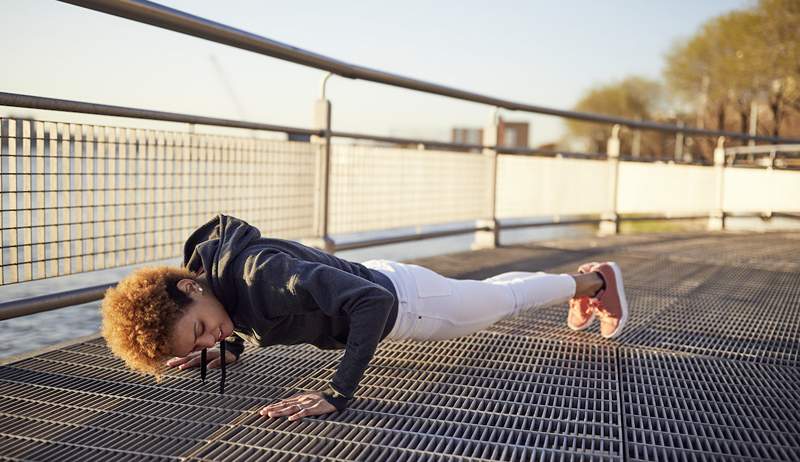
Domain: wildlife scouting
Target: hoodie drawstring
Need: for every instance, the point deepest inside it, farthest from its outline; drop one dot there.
(204, 367)
(222, 368)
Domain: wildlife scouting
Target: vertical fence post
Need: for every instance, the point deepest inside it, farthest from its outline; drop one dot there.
(487, 239)
(322, 121)
(753, 122)
(716, 220)
(772, 185)
(679, 141)
(609, 221)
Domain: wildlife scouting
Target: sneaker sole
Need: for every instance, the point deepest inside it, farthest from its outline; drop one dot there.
(622, 301)
(583, 327)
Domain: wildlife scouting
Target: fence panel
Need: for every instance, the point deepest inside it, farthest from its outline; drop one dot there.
(786, 191)
(760, 190)
(544, 186)
(79, 198)
(665, 188)
(380, 188)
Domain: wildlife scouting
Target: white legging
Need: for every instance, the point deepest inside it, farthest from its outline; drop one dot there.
(435, 307)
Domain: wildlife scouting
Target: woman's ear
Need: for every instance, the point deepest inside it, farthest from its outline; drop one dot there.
(189, 286)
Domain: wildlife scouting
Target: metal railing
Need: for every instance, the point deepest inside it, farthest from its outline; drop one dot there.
(769, 156)
(481, 181)
(179, 21)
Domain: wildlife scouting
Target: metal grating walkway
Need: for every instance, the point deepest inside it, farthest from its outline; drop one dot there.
(707, 369)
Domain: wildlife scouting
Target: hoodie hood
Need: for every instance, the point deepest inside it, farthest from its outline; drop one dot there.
(213, 247)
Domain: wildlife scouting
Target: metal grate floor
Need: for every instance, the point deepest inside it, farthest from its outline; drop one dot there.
(707, 369)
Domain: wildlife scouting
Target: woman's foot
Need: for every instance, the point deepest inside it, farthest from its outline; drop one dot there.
(581, 312)
(610, 304)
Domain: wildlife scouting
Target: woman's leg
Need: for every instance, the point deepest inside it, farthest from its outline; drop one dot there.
(448, 308)
(434, 307)
(528, 290)
(509, 275)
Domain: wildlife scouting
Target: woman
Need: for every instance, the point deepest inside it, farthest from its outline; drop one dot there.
(235, 286)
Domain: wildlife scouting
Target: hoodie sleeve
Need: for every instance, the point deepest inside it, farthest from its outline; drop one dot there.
(295, 286)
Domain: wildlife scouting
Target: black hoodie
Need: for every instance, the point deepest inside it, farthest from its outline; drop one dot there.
(281, 292)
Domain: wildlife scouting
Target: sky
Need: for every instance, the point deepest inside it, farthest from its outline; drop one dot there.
(537, 52)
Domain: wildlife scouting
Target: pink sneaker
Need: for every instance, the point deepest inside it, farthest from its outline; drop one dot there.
(610, 304)
(581, 312)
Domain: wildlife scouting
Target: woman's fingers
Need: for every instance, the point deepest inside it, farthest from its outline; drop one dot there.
(194, 360)
(306, 405)
(304, 411)
(177, 361)
(282, 408)
(288, 402)
(299, 406)
(318, 408)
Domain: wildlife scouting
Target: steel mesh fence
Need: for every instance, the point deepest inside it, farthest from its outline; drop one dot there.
(380, 188)
(79, 198)
(543, 187)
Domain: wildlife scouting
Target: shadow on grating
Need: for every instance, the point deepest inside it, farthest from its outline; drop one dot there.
(706, 369)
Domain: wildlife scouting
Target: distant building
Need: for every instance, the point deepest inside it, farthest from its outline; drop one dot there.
(467, 135)
(512, 134)
(509, 134)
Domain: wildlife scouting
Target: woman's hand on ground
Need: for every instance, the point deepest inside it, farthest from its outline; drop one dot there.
(193, 360)
(300, 405)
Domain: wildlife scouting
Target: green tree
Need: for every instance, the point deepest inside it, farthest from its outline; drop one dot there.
(633, 97)
(695, 73)
(736, 59)
(778, 35)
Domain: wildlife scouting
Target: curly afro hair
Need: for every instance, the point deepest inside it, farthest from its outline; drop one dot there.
(139, 314)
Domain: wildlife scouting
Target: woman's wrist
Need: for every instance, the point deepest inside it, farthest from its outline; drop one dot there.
(338, 400)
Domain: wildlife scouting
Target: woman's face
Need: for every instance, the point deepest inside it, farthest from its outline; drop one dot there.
(204, 322)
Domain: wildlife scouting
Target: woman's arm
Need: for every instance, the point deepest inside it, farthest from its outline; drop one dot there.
(337, 293)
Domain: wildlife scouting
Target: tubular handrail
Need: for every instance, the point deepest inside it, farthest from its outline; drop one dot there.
(53, 104)
(399, 140)
(168, 18)
(47, 302)
(763, 149)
